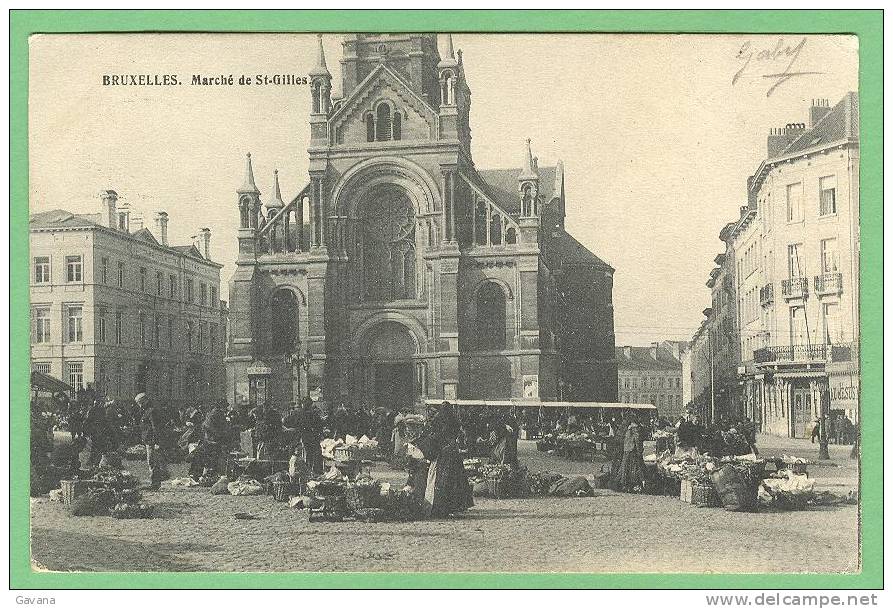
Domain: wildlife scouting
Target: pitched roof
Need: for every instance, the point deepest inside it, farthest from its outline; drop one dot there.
(189, 250)
(640, 359)
(561, 250)
(502, 186)
(60, 218)
(840, 123)
(144, 234)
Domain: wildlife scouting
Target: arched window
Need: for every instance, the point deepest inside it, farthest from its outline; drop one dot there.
(317, 98)
(511, 237)
(480, 223)
(526, 201)
(447, 95)
(383, 123)
(496, 229)
(370, 128)
(490, 320)
(243, 212)
(388, 245)
(397, 126)
(284, 322)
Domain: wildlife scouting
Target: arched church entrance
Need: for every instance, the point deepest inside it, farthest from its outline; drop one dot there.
(389, 371)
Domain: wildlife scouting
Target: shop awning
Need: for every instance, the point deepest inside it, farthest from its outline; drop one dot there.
(45, 382)
(541, 404)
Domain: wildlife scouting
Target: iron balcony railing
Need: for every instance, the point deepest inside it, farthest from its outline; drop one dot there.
(796, 287)
(791, 353)
(767, 295)
(828, 283)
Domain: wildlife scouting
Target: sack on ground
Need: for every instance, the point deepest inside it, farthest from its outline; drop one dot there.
(221, 486)
(572, 487)
(734, 492)
(245, 487)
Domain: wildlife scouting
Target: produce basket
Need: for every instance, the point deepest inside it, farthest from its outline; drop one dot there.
(346, 453)
(282, 491)
(703, 495)
(72, 489)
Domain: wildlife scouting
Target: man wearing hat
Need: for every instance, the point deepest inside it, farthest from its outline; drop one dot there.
(152, 426)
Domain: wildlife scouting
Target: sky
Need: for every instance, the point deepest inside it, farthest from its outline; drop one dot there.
(656, 133)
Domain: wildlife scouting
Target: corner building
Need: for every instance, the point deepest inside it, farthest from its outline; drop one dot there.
(404, 271)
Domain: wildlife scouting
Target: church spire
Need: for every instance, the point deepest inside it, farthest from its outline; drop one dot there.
(276, 201)
(529, 171)
(249, 186)
(449, 57)
(320, 68)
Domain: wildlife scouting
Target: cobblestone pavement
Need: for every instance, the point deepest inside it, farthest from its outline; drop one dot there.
(611, 532)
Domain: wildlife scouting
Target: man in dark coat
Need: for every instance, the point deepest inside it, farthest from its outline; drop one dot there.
(153, 423)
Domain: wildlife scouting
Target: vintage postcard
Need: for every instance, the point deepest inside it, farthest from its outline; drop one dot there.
(445, 302)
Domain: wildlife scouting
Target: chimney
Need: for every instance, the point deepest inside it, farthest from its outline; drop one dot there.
(136, 223)
(161, 226)
(124, 218)
(819, 108)
(205, 239)
(781, 138)
(627, 352)
(108, 215)
(654, 351)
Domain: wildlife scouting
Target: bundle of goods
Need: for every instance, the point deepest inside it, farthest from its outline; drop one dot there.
(796, 464)
(131, 510)
(737, 483)
(539, 483)
(352, 449)
(116, 479)
(786, 491)
(244, 486)
(580, 445)
(135, 453)
(504, 481)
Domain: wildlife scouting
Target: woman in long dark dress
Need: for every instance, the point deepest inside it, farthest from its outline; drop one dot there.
(632, 466)
(446, 490)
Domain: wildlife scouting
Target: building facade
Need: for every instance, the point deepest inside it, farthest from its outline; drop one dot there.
(715, 347)
(804, 200)
(651, 375)
(401, 271)
(116, 307)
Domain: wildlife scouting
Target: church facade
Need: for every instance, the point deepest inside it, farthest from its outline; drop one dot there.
(401, 272)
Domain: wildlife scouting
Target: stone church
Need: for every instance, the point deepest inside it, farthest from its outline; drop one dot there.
(401, 271)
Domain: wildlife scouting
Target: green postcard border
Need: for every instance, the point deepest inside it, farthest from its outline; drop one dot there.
(867, 25)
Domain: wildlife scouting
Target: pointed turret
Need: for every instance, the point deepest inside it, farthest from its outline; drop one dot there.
(529, 170)
(249, 187)
(449, 57)
(276, 201)
(320, 69)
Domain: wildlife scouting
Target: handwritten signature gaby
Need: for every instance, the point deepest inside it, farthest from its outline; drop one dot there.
(776, 55)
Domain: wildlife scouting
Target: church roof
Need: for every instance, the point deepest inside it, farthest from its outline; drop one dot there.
(562, 250)
(502, 186)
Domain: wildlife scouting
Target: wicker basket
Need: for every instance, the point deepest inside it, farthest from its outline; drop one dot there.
(282, 491)
(703, 495)
(797, 468)
(71, 489)
(345, 453)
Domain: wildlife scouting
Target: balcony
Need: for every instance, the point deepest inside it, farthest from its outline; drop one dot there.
(797, 287)
(828, 283)
(791, 354)
(767, 295)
